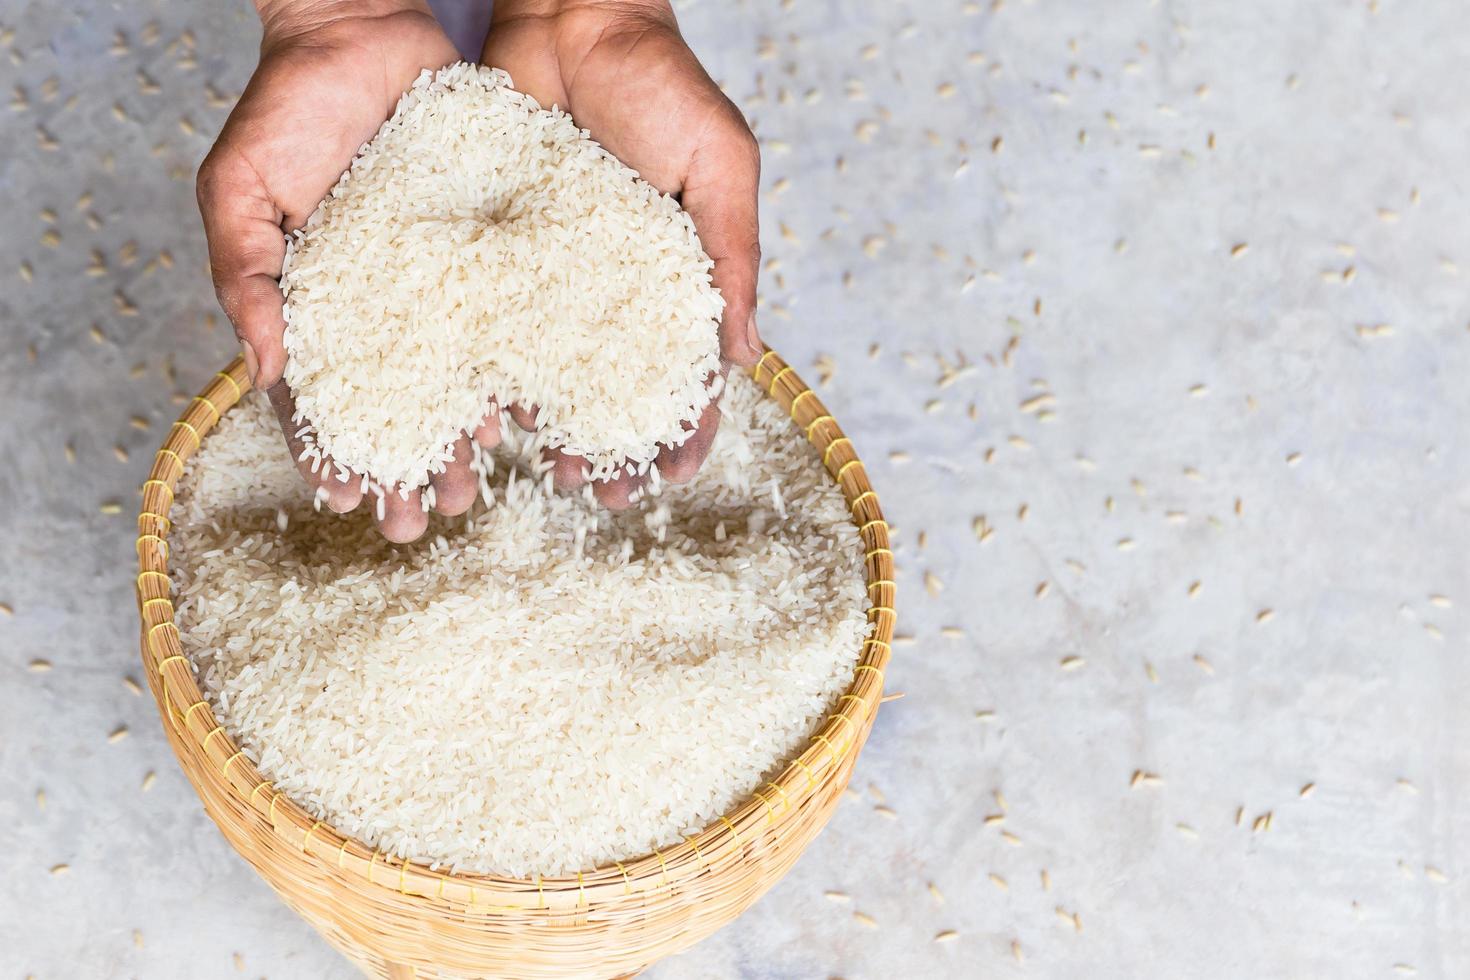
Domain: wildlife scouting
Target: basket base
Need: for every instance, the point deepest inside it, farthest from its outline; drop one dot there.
(400, 971)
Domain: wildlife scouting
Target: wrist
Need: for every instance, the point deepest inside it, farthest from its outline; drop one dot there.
(660, 10)
(292, 18)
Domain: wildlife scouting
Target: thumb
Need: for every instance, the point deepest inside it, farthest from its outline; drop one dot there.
(720, 194)
(246, 250)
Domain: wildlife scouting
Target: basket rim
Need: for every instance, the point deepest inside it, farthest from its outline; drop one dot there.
(170, 674)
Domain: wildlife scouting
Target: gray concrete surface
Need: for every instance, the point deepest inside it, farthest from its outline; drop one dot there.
(1224, 245)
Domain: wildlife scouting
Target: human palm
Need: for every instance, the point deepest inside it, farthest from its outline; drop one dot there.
(323, 87)
(624, 73)
(331, 71)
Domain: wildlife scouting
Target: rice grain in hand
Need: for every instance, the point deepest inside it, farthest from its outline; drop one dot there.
(481, 246)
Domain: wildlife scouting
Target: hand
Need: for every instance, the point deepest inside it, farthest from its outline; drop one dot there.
(625, 75)
(330, 72)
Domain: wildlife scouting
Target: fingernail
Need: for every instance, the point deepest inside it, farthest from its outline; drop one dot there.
(252, 365)
(752, 336)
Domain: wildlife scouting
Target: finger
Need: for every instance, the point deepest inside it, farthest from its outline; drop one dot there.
(568, 472)
(403, 520)
(523, 416)
(341, 496)
(456, 488)
(617, 493)
(487, 433)
(678, 464)
(720, 194)
(243, 228)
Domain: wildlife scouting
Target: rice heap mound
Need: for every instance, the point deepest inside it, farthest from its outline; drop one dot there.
(483, 246)
(541, 686)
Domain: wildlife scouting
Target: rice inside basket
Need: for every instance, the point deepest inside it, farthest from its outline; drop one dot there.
(543, 686)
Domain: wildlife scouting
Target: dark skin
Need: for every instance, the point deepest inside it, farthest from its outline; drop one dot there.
(331, 71)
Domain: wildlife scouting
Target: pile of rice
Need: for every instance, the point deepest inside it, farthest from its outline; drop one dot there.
(541, 686)
(483, 246)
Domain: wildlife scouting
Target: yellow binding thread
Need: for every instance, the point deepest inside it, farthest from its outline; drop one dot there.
(540, 894)
(342, 855)
(198, 440)
(881, 609)
(370, 863)
(233, 383)
(306, 841)
(863, 529)
(851, 730)
(815, 422)
(627, 882)
(581, 891)
(165, 661)
(827, 453)
(882, 582)
(177, 458)
(694, 843)
(226, 769)
(165, 601)
(784, 798)
(402, 870)
(861, 497)
(169, 582)
(877, 551)
(662, 864)
(762, 362)
(775, 378)
(216, 730)
(770, 807)
(191, 709)
(842, 470)
(734, 831)
(828, 744)
(138, 545)
(212, 408)
(869, 667)
(161, 484)
(797, 401)
(258, 787)
(811, 779)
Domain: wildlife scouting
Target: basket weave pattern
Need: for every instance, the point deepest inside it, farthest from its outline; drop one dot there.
(398, 919)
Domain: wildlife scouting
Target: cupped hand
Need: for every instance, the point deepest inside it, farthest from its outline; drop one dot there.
(625, 74)
(330, 73)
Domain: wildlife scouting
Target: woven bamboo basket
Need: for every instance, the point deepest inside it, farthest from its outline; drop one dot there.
(398, 919)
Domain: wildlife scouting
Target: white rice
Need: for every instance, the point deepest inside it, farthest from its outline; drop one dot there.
(482, 246)
(540, 687)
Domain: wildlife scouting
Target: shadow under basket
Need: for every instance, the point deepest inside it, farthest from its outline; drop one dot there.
(398, 919)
